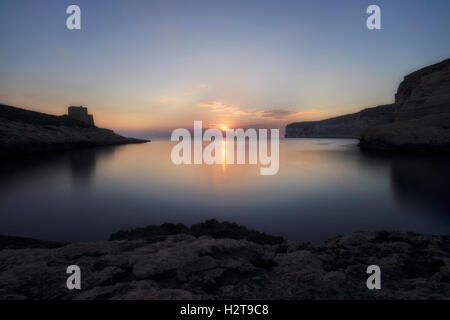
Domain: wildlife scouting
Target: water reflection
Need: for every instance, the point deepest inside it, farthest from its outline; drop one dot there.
(323, 188)
(417, 180)
(422, 181)
(83, 164)
(80, 163)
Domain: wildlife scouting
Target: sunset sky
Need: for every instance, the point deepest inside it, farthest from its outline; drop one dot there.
(146, 67)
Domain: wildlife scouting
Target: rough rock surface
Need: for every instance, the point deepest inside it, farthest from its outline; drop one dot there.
(183, 266)
(28, 131)
(422, 120)
(418, 120)
(424, 92)
(212, 228)
(7, 242)
(430, 133)
(347, 126)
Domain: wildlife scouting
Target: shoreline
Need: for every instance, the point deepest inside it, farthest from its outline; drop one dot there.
(416, 121)
(28, 132)
(208, 228)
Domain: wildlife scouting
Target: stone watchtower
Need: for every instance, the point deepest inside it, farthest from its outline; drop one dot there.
(80, 114)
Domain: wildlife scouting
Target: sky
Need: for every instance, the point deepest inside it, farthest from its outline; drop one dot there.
(148, 67)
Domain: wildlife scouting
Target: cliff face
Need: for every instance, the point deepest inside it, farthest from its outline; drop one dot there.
(28, 131)
(418, 120)
(422, 118)
(424, 92)
(348, 126)
(430, 133)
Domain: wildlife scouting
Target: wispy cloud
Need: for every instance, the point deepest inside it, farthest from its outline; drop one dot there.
(281, 114)
(226, 110)
(272, 114)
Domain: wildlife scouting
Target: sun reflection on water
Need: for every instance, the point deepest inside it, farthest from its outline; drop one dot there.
(224, 156)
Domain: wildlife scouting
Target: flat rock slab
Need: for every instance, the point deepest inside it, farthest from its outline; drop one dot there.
(184, 266)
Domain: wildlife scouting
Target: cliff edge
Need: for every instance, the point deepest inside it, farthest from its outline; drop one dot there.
(347, 126)
(28, 131)
(422, 117)
(418, 120)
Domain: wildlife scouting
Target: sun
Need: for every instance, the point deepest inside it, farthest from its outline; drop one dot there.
(224, 128)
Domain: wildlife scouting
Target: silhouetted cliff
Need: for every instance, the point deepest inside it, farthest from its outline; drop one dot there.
(418, 120)
(424, 92)
(347, 126)
(422, 119)
(28, 131)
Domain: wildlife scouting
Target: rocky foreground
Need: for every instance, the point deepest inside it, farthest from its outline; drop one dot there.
(28, 131)
(226, 261)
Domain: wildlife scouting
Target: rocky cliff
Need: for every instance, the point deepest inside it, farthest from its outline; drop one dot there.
(347, 126)
(424, 92)
(430, 133)
(212, 261)
(422, 119)
(28, 131)
(418, 120)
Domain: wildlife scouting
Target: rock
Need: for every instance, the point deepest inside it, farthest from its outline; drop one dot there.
(417, 121)
(429, 133)
(7, 242)
(347, 126)
(151, 233)
(28, 131)
(422, 119)
(211, 228)
(232, 230)
(424, 92)
(184, 266)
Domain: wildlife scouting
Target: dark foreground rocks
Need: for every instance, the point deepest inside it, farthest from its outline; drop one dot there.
(212, 228)
(24, 131)
(7, 242)
(185, 266)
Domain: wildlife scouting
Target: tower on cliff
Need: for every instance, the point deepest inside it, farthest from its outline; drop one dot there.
(81, 114)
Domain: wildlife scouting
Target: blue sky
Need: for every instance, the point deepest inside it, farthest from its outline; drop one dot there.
(155, 65)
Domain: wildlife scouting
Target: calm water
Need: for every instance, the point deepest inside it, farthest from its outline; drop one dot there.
(324, 188)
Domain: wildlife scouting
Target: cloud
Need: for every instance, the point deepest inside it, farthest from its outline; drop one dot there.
(277, 114)
(227, 110)
(273, 114)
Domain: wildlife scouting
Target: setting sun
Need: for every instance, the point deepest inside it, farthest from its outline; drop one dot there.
(224, 128)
